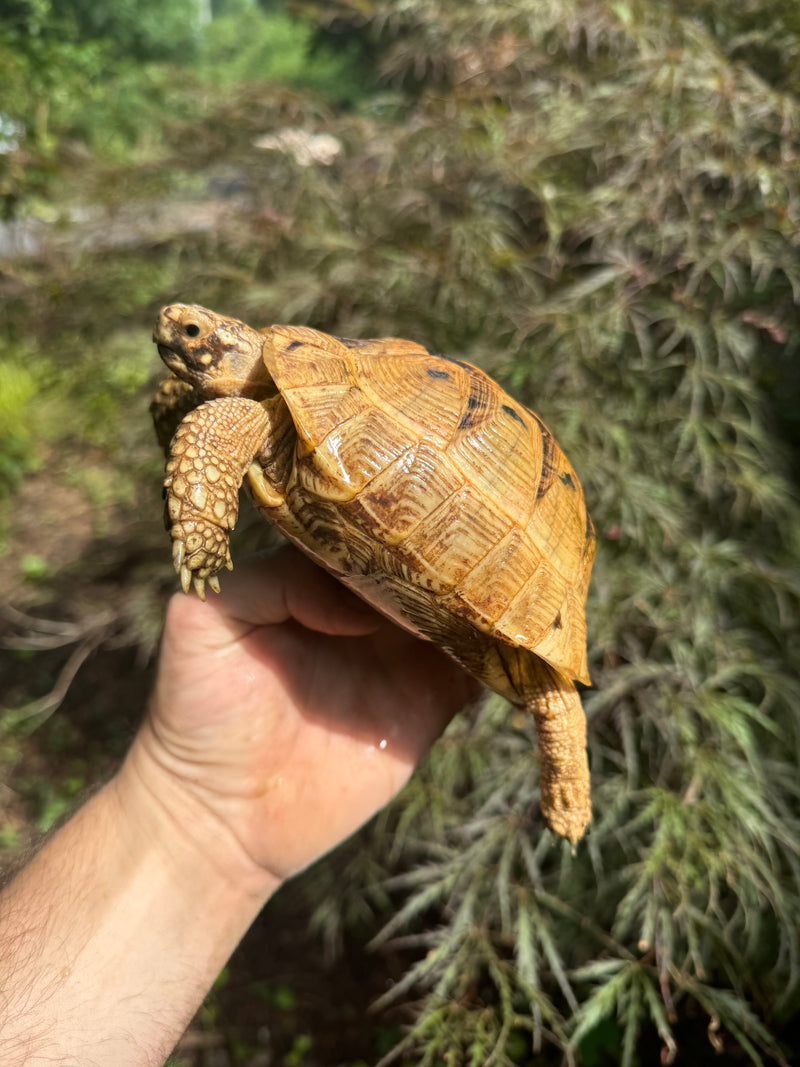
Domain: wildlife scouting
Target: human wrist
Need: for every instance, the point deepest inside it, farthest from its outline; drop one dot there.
(170, 812)
(133, 907)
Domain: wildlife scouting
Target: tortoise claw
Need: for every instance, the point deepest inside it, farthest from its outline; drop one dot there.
(190, 578)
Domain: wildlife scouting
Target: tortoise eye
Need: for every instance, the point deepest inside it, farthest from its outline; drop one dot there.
(192, 329)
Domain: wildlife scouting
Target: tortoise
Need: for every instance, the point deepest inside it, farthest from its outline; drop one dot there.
(415, 480)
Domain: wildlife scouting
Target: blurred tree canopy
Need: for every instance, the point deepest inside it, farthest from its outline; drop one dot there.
(135, 29)
(598, 201)
(106, 79)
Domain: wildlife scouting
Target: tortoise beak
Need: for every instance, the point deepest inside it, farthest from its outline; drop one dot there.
(171, 359)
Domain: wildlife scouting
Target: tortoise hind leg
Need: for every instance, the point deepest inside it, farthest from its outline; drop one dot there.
(561, 730)
(556, 707)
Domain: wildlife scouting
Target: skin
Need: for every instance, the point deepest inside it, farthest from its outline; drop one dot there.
(285, 713)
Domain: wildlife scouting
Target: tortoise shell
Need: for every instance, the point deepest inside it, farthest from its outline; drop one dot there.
(414, 478)
(462, 491)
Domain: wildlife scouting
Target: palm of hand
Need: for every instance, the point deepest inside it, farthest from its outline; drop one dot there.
(294, 711)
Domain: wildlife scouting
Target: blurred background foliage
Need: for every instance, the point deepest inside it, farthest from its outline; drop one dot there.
(598, 202)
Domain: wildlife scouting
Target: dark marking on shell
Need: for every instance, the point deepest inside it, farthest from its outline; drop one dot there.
(478, 402)
(549, 461)
(293, 345)
(589, 534)
(514, 414)
(566, 479)
(434, 373)
(557, 624)
(383, 498)
(539, 423)
(458, 362)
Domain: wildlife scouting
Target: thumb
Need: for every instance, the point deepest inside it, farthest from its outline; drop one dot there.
(266, 590)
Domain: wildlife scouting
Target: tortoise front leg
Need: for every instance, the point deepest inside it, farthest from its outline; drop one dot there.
(212, 449)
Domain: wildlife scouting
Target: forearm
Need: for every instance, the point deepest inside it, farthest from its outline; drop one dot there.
(112, 935)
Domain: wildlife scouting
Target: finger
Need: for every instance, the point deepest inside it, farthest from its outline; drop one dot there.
(271, 588)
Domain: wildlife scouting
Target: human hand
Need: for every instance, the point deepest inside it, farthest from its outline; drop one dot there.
(290, 710)
(285, 713)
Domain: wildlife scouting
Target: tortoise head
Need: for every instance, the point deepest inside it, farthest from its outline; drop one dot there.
(215, 355)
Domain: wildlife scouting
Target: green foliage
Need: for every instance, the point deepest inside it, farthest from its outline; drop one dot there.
(768, 41)
(17, 392)
(34, 568)
(249, 45)
(67, 96)
(82, 77)
(298, 1053)
(137, 29)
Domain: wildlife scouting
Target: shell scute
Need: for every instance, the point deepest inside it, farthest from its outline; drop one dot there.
(318, 409)
(533, 607)
(563, 642)
(357, 450)
(557, 530)
(426, 403)
(400, 498)
(457, 535)
(504, 466)
(495, 580)
(288, 339)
